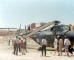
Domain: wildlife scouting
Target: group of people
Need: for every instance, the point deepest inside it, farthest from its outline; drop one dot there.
(19, 46)
(60, 45)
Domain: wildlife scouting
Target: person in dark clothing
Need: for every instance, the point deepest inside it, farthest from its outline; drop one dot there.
(70, 49)
(16, 49)
(9, 42)
(19, 44)
(15, 46)
(25, 45)
(43, 49)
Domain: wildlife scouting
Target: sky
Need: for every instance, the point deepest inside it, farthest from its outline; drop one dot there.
(24, 12)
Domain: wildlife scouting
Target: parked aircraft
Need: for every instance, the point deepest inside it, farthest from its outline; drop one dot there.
(61, 30)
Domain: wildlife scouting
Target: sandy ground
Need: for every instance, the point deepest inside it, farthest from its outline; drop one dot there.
(6, 54)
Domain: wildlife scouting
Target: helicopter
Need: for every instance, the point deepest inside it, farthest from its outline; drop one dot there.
(49, 30)
(58, 30)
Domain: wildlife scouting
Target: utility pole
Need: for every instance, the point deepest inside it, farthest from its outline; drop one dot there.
(26, 39)
(19, 29)
(25, 29)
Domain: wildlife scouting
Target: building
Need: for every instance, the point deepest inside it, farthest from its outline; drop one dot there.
(7, 31)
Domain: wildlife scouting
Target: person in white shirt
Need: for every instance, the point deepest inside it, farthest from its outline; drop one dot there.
(55, 45)
(44, 44)
(66, 44)
(37, 40)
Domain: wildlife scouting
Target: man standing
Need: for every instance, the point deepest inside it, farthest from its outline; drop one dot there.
(9, 41)
(56, 45)
(44, 43)
(67, 43)
(25, 45)
(19, 44)
(15, 46)
(60, 46)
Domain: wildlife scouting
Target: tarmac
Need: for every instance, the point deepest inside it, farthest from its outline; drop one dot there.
(6, 53)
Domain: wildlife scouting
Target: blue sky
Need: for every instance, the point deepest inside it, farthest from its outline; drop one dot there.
(15, 12)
